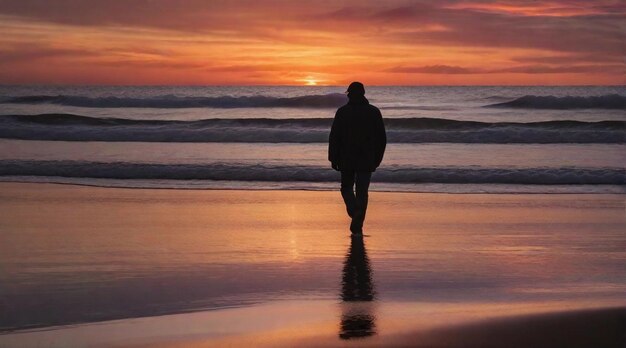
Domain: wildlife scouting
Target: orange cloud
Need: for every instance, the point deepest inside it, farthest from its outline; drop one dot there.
(545, 8)
(286, 42)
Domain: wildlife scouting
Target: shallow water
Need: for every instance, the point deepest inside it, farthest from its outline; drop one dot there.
(73, 255)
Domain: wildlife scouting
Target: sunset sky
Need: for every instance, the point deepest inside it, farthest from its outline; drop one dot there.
(201, 42)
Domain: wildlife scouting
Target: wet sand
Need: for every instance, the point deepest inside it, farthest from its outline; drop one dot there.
(85, 266)
(312, 324)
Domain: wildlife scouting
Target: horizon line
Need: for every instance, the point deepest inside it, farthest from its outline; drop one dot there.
(294, 85)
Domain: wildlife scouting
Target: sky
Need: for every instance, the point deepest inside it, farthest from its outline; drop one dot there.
(272, 42)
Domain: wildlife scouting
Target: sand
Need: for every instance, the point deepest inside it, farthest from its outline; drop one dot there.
(86, 266)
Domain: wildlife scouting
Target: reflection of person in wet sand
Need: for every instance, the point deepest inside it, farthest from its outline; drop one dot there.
(357, 293)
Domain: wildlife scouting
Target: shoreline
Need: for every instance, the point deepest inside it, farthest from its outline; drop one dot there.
(372, 189)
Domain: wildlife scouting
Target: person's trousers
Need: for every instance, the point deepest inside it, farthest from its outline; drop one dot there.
(354, 187)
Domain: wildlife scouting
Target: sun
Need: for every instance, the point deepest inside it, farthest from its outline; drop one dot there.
(309, 80)
(313, 80)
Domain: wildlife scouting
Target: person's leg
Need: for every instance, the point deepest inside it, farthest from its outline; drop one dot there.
(362, 180)
(347, 191)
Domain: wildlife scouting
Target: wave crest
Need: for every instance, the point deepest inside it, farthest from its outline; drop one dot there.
(331, 100)
(310, 130)
(285, 173)
(609, 101)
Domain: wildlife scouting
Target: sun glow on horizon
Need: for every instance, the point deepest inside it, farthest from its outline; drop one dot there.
(310, 81)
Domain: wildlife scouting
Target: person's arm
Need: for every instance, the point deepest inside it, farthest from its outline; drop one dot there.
(334, 142)
(381, 137)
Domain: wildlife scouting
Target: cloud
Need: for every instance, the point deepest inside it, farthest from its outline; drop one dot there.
(598, 28)
(150, 63)
(245, 68)
(574, 69)
(158, 13)
(568, 59)
(523, 69)
(224, 17)
(554, 8)
(280, 39)
(26, 53)
(602, 34)
(435, 69)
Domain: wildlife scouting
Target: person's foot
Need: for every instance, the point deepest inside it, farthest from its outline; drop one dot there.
(356, 226)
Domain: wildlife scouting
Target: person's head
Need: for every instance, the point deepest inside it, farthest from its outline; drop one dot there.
(356, 89)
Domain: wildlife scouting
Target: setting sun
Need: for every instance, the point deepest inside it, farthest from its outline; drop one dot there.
(309, 80)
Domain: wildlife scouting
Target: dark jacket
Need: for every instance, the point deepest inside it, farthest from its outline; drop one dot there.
(357, 138)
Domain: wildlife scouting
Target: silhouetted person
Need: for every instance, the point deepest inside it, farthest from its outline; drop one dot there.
(357, 286)
(356, 147)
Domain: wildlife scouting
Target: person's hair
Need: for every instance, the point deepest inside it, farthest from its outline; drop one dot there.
(356, 88)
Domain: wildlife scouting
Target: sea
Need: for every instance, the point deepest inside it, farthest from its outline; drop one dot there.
(497, 139)
(84, 266)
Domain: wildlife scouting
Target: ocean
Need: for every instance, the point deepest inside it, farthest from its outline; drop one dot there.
(440, 139)
(92, 266)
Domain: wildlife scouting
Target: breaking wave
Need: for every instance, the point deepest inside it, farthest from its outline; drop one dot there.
(286, 173)
(67, 127)
(332, 100)
(169, 101)
(609, 101)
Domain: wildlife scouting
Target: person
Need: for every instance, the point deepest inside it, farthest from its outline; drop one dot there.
(356, 147)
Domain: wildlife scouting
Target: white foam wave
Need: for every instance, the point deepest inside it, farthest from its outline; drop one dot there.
(315, 130)
(169, 101)
(287, 173)
(609, 101)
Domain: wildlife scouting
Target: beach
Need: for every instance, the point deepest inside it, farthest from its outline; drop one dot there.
(197, 174)
(92, 266)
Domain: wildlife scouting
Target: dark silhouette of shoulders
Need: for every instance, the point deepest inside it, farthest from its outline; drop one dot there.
(357, 139)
